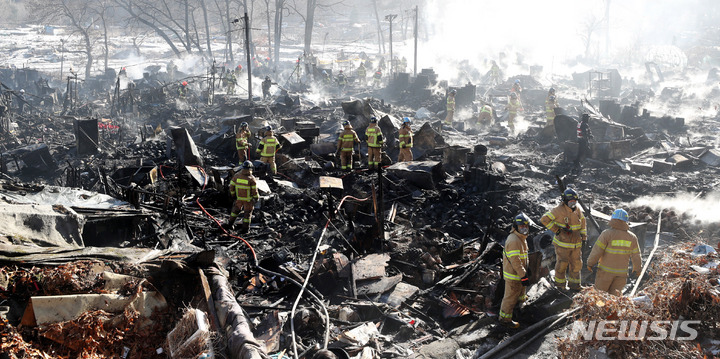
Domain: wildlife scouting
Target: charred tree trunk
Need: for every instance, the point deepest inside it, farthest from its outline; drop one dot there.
(269, 29)
(309, 22)
(187, 26)
(88, 54)
(230, 30)
(203, 6)
(381, 37)
(279, 5)
(105, 39)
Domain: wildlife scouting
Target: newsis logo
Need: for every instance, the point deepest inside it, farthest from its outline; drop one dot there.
(634, 330)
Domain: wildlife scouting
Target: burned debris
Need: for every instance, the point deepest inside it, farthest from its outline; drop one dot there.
(169, 215)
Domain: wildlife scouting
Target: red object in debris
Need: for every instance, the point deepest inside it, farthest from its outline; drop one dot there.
(184, 83)
(412, 322)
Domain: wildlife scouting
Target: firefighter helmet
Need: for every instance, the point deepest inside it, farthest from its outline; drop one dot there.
(569, 195)
(244, 125)
(406, 120)
(247, 165)
(620, 214)
(373, 119)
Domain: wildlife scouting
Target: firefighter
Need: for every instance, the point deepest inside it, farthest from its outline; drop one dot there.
(495, 76)
(568, 223)
(513, 106)
(266, 87)
(342, 80)
(374, 142)
(361, 73)
(485, 118)
(231, 81)
(346, 144)
(406, 141)
(377, 79)
(243, 189)
(241, 142)
(515, 269)
(267, 148)
(550, 105)
(615, 247)
(584, 135)
(183, 90)
(450, 107)
(516, 88)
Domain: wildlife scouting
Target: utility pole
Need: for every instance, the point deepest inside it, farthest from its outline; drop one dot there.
(416, 35)
(247, 55)
(390, 18)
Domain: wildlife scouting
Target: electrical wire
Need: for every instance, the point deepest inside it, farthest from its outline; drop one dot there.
(307, 279)
(268, 272)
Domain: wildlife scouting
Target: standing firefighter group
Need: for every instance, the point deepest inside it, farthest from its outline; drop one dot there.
(243, 188)
(612, 253)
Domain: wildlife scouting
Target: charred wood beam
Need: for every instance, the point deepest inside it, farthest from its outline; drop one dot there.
(241, 343)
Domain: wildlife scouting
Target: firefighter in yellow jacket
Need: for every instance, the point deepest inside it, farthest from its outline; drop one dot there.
(243, 189)
(615, 247)
(568, 223)
(515, 269)
(346, 144)
(550, 105)
(241, 142)
(267, 148)
(374, 142)
(513, 106)
(450, 107)
(406, 141)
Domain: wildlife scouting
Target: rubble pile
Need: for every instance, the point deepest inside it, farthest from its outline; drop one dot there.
(680, 284)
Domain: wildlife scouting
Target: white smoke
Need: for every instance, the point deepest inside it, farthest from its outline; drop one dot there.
(545, 33)
(704, 209)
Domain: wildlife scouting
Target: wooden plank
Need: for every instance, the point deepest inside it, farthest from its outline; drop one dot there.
(331, 182)
(378, 286)
(370, 267)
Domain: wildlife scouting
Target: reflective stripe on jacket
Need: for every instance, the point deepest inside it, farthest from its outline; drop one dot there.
(614, 249)
(563, 216)
(269, 146)
(244, 187)
(515, 256)
(450, 103)
(405, 136)
(347, 139)
(241, 139)
(372, 134)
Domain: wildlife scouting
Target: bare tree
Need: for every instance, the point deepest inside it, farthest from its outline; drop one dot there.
(77, 14)
(308, 16)
(590, 26)
(381, 37)
(279, 13)
(203, 6)
(136, 14)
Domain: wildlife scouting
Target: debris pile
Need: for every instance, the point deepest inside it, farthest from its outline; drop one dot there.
(682, 286)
